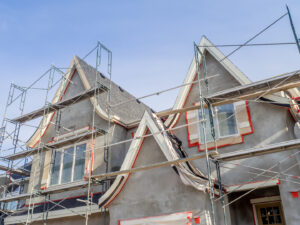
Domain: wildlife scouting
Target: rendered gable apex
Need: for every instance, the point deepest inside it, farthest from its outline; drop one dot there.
(188, 174)
(123, 115)
(207, 46)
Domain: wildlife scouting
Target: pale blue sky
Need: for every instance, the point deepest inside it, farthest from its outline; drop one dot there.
(151, 41)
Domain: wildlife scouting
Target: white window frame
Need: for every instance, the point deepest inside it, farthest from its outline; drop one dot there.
(217, 126)
(62, 150)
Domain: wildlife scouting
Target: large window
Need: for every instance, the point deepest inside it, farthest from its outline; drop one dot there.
(68, 164)
(224, 121)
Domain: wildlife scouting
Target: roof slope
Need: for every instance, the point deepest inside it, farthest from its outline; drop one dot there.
(127, 113)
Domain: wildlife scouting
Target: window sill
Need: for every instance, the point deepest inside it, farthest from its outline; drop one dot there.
(66, 185)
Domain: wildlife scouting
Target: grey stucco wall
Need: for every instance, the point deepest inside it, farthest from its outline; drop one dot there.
(160, 191)
(271, 124)
(155, 192)
(74, 117)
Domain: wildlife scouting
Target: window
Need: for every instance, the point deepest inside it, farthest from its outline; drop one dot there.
(68, 164)
(269, 213)
(224, 121)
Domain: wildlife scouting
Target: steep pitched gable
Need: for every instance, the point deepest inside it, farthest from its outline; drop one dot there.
(124, 114)
(236, 74)
(188, 174)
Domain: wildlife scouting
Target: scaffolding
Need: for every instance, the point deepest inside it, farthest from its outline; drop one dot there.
(19, 150)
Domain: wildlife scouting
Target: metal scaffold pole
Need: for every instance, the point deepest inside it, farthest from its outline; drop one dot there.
(33, 192)
(203, 127)
(105, 183)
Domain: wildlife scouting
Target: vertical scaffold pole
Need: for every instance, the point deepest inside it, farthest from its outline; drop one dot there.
(203, 127)
(33, 192)
(293, 28)
(99, 48)
(221, 190)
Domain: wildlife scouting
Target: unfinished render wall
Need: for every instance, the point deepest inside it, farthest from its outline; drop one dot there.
(155, 192)
(271, 124)
(74, 117)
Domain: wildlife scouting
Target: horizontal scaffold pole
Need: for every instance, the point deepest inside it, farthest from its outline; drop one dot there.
(60, 105)
(247, 92)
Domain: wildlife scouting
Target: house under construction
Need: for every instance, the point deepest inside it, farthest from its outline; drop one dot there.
(226, 153)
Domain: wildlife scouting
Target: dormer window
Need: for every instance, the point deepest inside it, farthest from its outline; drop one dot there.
(224, 121)
(68, 164)
(231, 122)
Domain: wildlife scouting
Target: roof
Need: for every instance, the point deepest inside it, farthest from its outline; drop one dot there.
(125, 113)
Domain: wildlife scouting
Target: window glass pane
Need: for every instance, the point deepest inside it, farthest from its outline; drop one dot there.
(207, 127)
(276, 210)
(79, 162)
(67, 165)
(271, 220)
(263, 212)
(269, 211)
(278, 219)
(226, 120)
(55, 168)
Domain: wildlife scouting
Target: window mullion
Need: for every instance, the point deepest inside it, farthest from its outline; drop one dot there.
(61, 165)
(217, 127)
(73, 163)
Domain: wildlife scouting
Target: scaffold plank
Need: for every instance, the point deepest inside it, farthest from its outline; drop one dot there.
(51, 145)
(50, 190)
(253, 152)
(15, 171)
(247, 92)
(59, 105)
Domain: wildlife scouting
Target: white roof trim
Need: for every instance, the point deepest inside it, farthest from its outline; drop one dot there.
(165, 145)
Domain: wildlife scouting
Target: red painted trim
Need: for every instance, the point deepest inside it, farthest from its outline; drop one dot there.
(108, 203)
(179, 114)
(196, 144)
(57, 200)
(116, 122)
(54, 111)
